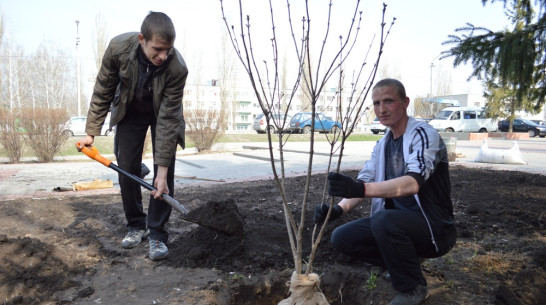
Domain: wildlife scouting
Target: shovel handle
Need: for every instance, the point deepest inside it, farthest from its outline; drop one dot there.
(175, 204)
(93, 153)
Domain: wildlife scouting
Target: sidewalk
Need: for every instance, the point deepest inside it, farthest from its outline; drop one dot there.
(231, 162)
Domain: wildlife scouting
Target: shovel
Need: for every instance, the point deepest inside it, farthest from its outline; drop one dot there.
(228, 229)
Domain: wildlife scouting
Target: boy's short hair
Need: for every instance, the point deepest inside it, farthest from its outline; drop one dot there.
(159, 24)
(391, 82)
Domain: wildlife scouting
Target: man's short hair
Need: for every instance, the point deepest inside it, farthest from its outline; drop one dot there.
(391, 82)
(159, 24)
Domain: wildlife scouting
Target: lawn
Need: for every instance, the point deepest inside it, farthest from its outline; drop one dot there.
(105, 144)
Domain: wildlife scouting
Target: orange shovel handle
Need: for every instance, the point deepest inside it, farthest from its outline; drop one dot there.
(93, 153)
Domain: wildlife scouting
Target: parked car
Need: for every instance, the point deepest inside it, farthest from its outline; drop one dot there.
(524, 125)
(376, 127)
(464, 119)
(301, 123)
(277, 119)
(76, 127)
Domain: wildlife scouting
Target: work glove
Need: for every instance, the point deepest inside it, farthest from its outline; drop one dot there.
(322, 210)
(343, 186)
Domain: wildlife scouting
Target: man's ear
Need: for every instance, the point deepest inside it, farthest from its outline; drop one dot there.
(406, 102)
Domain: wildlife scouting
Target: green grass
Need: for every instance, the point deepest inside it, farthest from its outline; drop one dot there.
(371, 283)
(254, 137)
(105, 144)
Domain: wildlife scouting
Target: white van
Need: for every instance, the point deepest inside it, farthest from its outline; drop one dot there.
(464, 119)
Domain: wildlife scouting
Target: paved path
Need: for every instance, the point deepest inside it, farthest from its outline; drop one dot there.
(233, 162)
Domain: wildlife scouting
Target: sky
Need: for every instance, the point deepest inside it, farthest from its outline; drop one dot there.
(415, 41)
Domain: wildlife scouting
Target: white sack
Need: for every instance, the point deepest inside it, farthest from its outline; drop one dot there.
(500, 156)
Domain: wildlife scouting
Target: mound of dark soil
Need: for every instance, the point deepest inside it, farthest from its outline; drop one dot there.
(66, 250)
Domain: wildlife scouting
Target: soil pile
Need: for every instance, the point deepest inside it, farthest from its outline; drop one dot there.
(66, 250)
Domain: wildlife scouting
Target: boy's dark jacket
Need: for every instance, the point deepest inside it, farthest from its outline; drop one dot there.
(120, 67)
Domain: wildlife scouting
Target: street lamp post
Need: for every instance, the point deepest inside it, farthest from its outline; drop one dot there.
(430, 92)
(78, 66)
(432, 66)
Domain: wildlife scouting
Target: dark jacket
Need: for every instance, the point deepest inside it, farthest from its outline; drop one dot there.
(120, 67)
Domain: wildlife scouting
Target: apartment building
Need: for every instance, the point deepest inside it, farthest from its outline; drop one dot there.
(242, 106)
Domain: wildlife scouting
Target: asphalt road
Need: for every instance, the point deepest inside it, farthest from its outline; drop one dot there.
(234, 162)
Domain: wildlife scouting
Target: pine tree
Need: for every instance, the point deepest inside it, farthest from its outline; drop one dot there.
(507, 61)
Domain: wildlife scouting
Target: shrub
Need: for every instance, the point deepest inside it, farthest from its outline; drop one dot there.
(11, 135)
(45, 131)
(204, 127)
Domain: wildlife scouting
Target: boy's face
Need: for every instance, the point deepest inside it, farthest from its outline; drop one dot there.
(388, 106)
(155, 49)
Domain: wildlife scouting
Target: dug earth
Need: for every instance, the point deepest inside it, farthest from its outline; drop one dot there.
(65, 249)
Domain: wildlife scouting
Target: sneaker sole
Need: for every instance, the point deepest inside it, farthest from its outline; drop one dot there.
(144, 236)
(158, 258)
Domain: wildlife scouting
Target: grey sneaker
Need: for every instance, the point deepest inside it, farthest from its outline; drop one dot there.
(133, 238)
(158, 250)
(412, 297)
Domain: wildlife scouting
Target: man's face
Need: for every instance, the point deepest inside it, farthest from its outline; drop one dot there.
(388, 106)
(155, 49)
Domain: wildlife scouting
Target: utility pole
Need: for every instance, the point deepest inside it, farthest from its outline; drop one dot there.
(430, 92)
(432, 66)
(78, 66)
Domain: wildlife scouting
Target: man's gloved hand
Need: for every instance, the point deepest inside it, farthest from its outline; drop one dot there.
(322, 210)
(343, 186)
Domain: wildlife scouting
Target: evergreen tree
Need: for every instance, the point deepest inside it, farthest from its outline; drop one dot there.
(512, 63)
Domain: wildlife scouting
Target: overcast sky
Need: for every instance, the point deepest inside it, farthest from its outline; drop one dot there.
(415, 41)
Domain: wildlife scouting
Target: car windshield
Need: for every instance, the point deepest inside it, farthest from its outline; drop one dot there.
(295, 118)
(443, 115)
(528, 122)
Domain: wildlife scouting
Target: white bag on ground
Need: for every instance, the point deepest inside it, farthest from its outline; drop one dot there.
(500, 156)
(305, 291)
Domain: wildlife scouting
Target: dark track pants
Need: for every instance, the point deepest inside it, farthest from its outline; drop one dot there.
(128, 146)
(395, 240)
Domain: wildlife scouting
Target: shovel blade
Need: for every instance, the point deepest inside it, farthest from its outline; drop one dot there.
(221, 216)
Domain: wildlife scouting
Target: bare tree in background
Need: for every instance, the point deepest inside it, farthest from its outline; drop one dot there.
(428, 107)
(315, 66)
(1, 27)
(1, 38)
(443, 81)
(52, 79)
(204, 121)
(227, 84)
(14, 76)
(101, 40)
